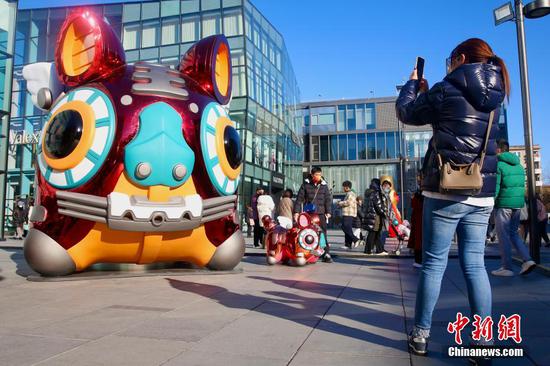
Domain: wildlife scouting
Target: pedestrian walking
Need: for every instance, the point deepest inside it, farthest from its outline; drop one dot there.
(542, 220)
(249, 221)
(349, 213)
(19, 217)
(314, 196)
(389, 221)
(461, 109)
(524, 220)
(374, 216)
(358, 221)
(258, 229)
(286, 204)
(509, 199)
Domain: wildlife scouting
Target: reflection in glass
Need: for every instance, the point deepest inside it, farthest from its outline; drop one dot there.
(371, 146)
(190, 28)
(380, 146)
(352, 147)
(342, 147)
(361, 147)
(150, 34)
(333, 147)
(324, 148)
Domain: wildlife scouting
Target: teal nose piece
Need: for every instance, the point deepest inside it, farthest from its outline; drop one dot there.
(159, 155)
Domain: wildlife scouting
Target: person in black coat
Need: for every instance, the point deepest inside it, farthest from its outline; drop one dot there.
(358, 220)
(459, 109)
(375, 213)
(314, 192)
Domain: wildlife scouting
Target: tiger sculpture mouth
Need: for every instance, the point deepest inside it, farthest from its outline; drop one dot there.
(137, 213)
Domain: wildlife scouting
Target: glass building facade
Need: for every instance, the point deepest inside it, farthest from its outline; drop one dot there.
(361, 139)
(265, 91)
(8, 10)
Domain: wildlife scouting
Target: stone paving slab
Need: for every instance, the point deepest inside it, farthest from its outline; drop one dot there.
(354, 311)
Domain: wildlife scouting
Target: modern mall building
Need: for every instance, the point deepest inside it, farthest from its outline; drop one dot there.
(265, 91)
(361, 139)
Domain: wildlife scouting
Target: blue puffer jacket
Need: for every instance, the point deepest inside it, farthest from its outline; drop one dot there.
(458, 109)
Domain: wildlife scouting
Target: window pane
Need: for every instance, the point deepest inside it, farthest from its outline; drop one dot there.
(352, 147)
(342, 147)
(315, 148)
(370, 121)
(350, 117)
(169, 31)
(210, 24)
(149, 10)
(57, 17)
(361, 147)
(190, 6)
(380, 146)
(190, 29)
(390, 145)
(150, 34)
(131, 12)
(371, 146)
(333, 147)
(130, 36)
(360, 116)
(210, 4)
(228, 3)
(233, 23)
(341, 118)
(324, 148)
(169, 8)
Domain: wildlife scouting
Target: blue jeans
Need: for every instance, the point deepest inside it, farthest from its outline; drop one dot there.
(507, 224)
(440, 220)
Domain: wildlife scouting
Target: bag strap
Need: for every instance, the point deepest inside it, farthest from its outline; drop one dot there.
(490, 124)
(485, 143)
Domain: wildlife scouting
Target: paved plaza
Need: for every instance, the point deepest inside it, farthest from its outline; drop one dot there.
(355, 311)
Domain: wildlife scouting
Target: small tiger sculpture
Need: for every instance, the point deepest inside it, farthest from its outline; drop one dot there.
(300, 244)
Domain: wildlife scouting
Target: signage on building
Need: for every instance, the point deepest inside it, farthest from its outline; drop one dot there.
(25, 131)
(24, 137)
(277, 180)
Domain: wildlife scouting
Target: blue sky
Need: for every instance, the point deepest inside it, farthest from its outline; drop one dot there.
(359, 48)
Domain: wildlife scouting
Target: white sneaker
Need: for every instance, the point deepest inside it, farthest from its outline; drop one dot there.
(357, 243)
(503, 272)
(417, 265)
(527, 267)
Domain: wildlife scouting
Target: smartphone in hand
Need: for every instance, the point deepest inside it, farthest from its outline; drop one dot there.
(419, 68)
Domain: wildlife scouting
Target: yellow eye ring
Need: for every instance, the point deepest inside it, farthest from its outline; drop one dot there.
(222, 70)
(86, 140)
(221, 124)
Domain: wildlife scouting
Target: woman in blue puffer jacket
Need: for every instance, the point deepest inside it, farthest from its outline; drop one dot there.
(458, 108)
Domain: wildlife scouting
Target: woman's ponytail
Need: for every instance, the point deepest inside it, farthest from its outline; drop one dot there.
(497, 61)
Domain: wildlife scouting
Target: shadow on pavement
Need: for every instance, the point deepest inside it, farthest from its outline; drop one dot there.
(312, 311)
(22, 268)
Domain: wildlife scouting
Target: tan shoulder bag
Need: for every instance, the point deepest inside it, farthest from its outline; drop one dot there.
(463, 179)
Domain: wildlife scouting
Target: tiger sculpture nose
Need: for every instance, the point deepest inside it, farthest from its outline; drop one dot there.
(159, 154)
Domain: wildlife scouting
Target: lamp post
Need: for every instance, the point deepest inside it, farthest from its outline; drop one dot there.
(504, 13)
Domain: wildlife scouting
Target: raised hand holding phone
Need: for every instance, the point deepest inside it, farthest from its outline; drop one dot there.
(418, 74)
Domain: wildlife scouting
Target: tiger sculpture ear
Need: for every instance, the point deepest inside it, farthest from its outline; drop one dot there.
(87, 50)
(208, 63)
